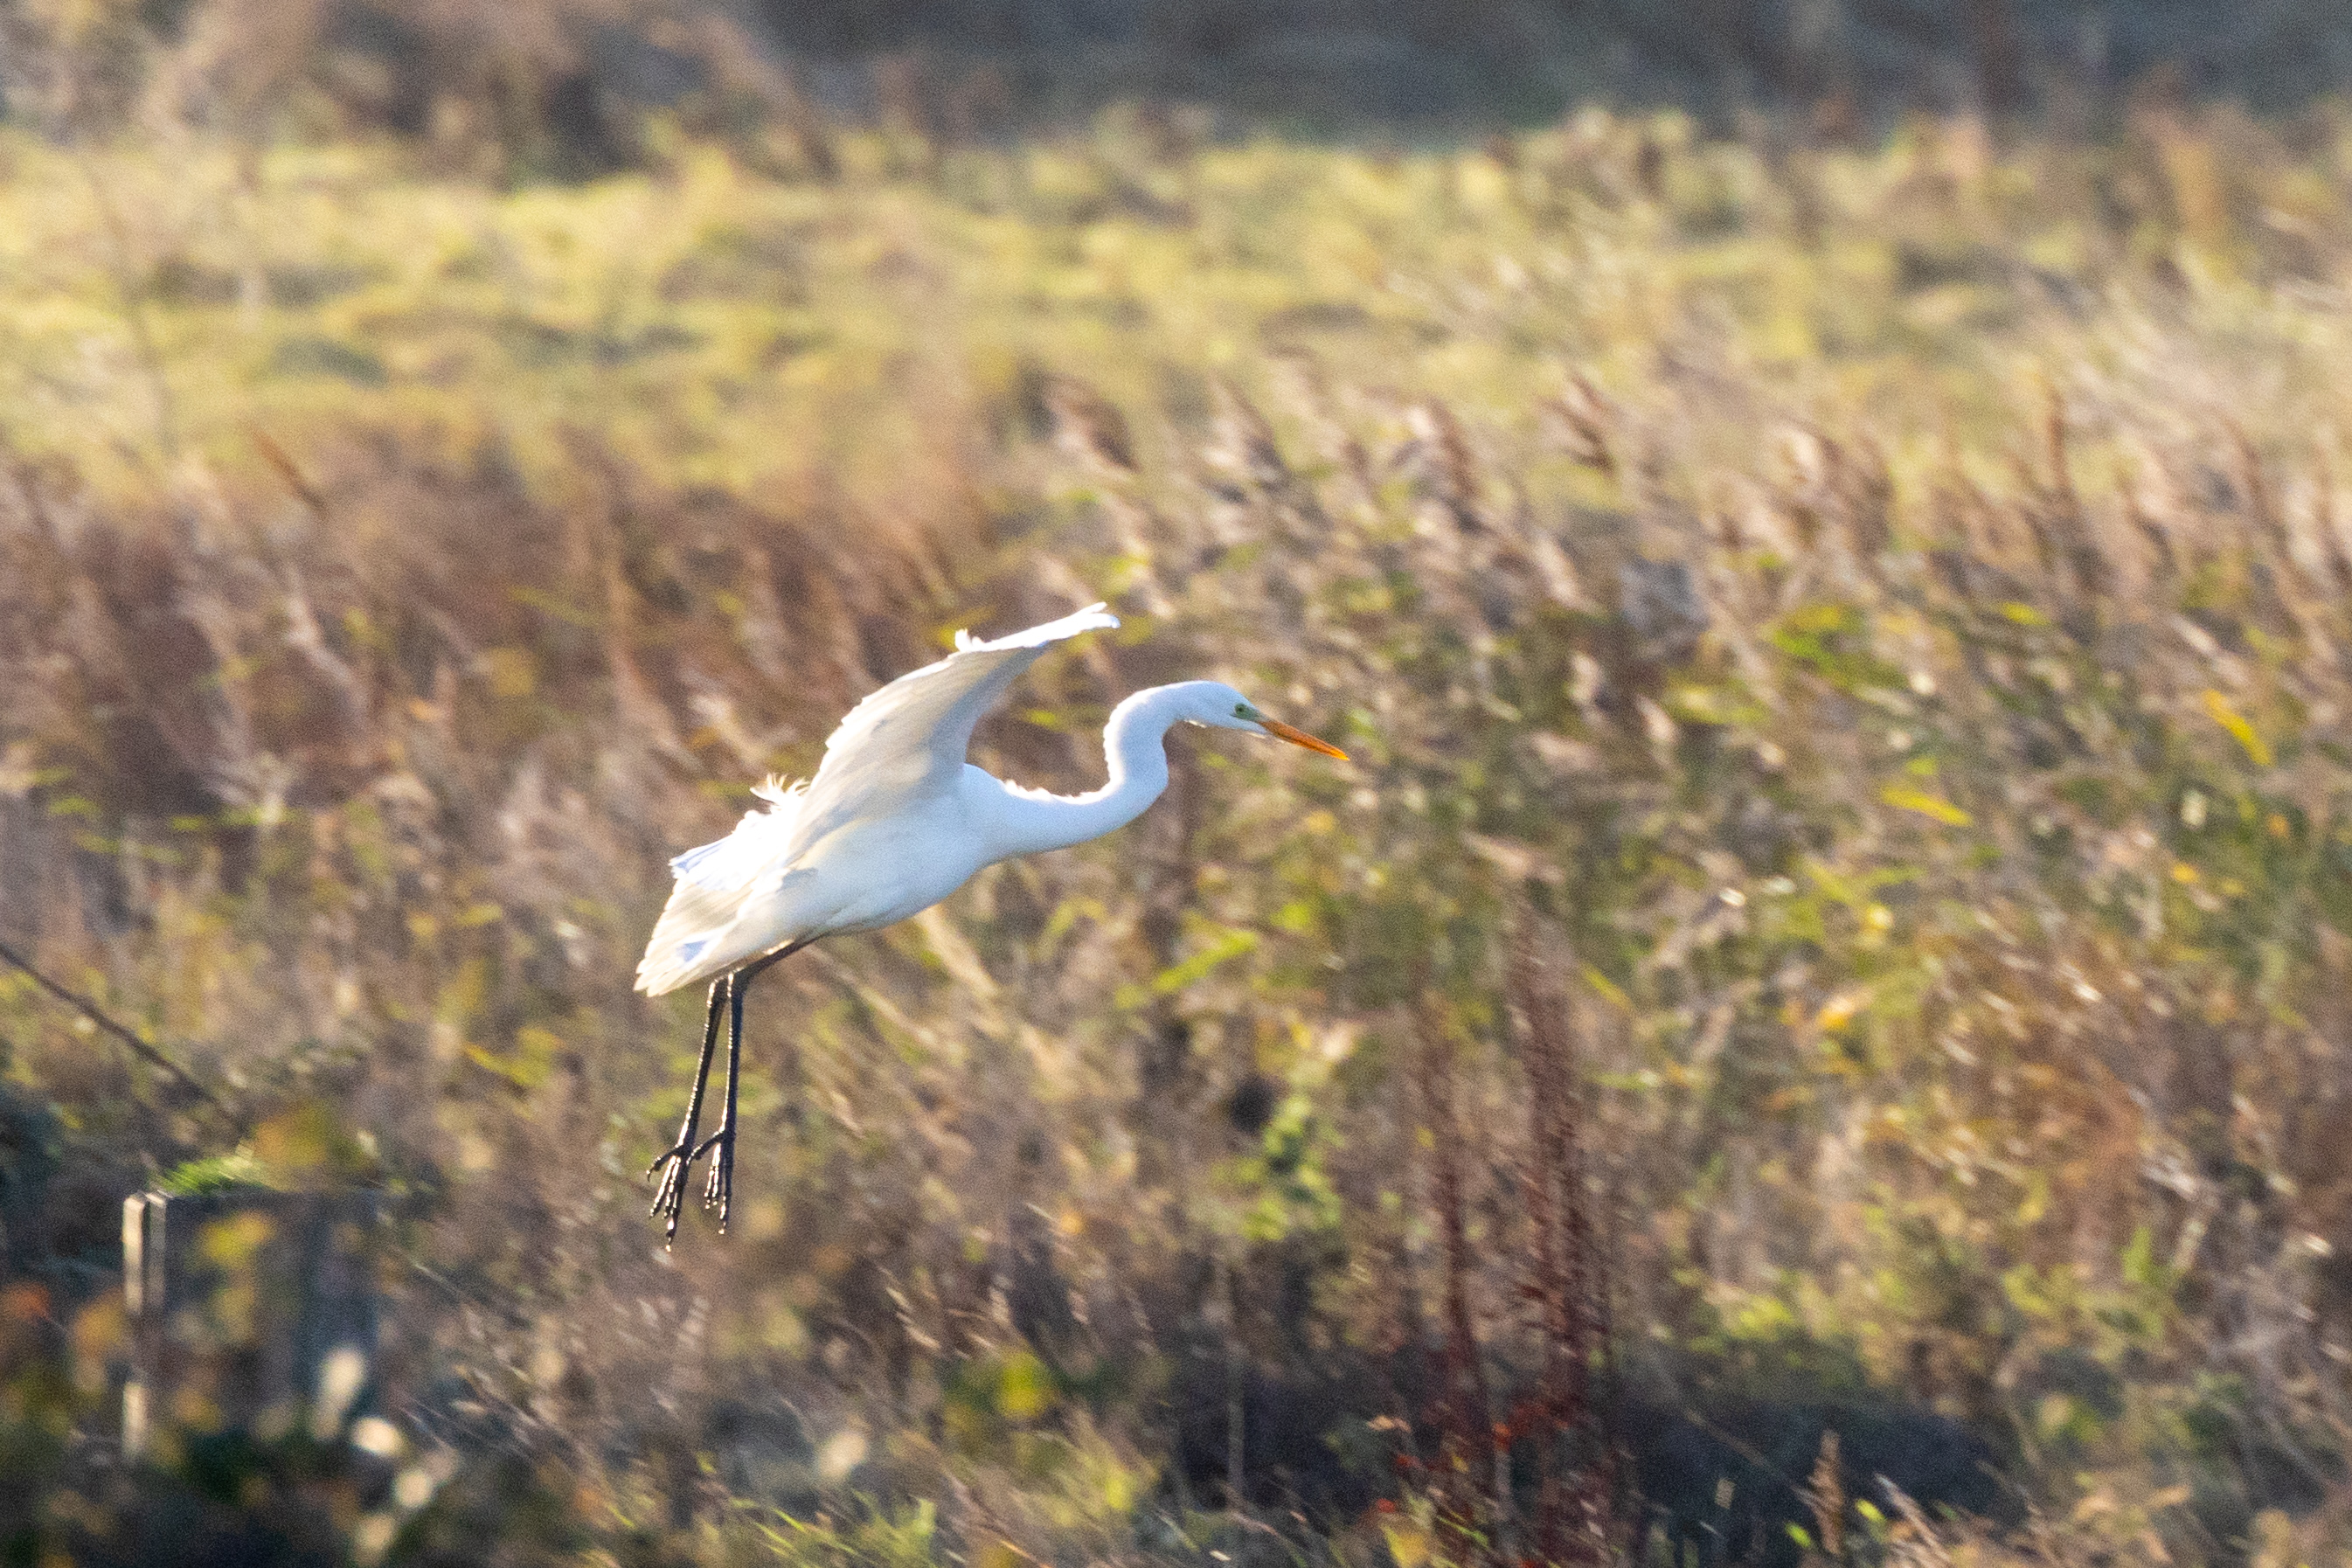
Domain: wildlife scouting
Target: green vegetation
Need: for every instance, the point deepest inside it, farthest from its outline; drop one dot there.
(1849, 863)
(217, 1173)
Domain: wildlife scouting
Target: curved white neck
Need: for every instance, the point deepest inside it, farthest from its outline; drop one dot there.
(1022, 822)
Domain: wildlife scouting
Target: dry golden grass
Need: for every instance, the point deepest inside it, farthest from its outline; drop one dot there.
(1881, 609)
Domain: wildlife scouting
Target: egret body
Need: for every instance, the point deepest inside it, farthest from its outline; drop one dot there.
(894, 821)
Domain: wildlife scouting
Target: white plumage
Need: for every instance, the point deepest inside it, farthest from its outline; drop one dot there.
(894, 821)
(898, 755)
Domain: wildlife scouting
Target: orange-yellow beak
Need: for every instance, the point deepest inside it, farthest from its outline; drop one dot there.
(1282, 732)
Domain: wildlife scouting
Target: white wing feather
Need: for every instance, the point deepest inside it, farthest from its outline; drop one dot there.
(729, 863)
(902, 742)
(908, 739)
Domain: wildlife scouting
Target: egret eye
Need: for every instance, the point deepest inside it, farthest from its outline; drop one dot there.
(1241, 709)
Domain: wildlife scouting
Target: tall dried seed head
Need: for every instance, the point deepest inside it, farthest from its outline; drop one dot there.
(1087, 425)
(1244, 444)
(1581, 418)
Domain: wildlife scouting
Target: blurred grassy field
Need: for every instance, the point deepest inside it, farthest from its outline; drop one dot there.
(1852, 633)
(703, 319)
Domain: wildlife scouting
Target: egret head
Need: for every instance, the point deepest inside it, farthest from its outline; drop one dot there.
(1220, 707)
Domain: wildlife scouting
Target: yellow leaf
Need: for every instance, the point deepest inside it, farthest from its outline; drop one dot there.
(1608, 988)
(2229, 718)
(511, 672)
(1926, 804)
(1408, 1543)
(1839, 1010)
(1232, 944)
(1024, 1388)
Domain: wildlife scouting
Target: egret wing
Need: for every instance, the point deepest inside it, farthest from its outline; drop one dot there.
(902, 743)
(907, 740)
(713, 880)
(759, 841)
(703, 932)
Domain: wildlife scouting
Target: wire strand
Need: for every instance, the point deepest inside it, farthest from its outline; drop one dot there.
(140, 1048)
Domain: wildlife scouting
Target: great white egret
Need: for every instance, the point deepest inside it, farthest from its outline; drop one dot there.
(894, 821)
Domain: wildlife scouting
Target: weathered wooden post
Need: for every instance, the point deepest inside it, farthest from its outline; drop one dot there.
(251, 1310)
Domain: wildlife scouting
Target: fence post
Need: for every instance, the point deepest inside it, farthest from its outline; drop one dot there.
(251, 1311)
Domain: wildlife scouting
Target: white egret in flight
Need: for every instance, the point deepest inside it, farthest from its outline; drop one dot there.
(894, 821)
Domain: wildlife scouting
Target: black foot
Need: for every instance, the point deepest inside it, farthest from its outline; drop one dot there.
(719, 1192)
(669, 1198)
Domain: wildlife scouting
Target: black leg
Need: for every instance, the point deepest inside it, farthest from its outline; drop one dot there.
(670, 1196)
(719, 1192)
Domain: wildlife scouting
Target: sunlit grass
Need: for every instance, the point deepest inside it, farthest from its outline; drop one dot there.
(725, 329)
(1872, 612)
